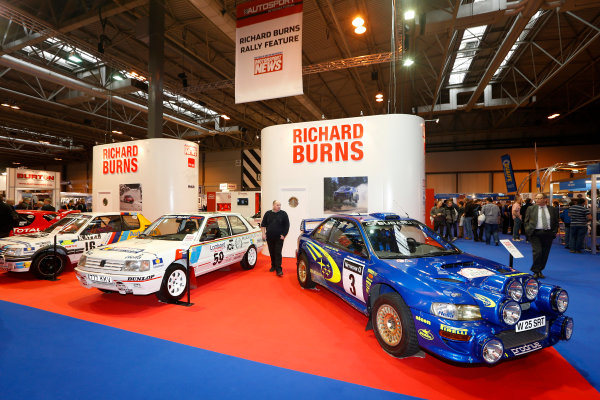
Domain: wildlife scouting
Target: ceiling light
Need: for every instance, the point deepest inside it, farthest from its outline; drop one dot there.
(573, 164)
(379, 100)
(408, 62)
(225, 117)
(16, 163)
(5, 105)
(58, 159)
(360, 30)
(410, 14)
(43, 142)
(74, 57)
(117, 132)
(117, 77)
(358, 21)
(15, 107)
(553, 116)
(379, 96)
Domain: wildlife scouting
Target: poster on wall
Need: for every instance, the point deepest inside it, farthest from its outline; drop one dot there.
(345, 194)
(268, 54)
(130, 197)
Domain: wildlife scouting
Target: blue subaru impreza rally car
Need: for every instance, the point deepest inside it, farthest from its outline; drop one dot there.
(421, 292)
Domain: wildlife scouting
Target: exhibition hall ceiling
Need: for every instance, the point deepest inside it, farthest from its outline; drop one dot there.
(486, 74)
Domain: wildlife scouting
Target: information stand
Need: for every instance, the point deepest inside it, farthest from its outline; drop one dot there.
(512, 250)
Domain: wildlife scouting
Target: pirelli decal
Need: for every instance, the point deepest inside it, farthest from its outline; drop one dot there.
(456, 331)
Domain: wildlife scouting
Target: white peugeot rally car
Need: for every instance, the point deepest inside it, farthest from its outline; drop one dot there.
(47, 253)
(155, 262)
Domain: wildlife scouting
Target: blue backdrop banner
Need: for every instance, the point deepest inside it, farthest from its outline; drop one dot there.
(509, 175)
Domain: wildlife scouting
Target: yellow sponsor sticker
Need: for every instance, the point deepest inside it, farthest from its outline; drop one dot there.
(487, 302)
(426, 334)
(329, 268)
(456, 331)
(423, 320)
(517, 274)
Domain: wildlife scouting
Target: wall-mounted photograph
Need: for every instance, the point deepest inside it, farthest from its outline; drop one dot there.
(345, 194)
(130, 196)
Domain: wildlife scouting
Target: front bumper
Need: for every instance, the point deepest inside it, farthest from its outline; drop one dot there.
(15, 264)
(463, 341)
(141, 284)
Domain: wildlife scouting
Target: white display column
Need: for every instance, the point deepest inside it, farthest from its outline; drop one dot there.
(153, 176)
(46, 183)
(380, 159)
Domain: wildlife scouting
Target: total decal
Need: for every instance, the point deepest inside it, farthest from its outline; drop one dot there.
(335, 143)
(120, 159)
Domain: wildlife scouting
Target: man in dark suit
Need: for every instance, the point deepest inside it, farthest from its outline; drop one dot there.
(541, 226)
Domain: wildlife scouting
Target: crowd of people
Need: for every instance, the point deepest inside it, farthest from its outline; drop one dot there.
(46, 205)
(483, 219)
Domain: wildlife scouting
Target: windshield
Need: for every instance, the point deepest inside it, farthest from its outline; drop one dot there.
(173, 227)
(68, 224)
(405, 239)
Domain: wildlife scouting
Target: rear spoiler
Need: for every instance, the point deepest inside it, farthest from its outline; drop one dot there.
(312, 224)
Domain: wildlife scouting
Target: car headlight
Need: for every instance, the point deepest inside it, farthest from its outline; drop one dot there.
(560, 300)
(137, 265)
(511, 312)
(82, 260)
(492, 351)
(13, 251)
(532, 288)
(457, 312)
(515, 290)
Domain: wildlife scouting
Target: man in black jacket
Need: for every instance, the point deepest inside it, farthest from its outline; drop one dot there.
(8, 219)
(275, 226)
(541, 226)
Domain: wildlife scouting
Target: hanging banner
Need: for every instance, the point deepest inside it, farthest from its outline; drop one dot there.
(268, 54)
(509, 175)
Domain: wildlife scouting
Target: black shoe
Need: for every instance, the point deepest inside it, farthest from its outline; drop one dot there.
(272, 269)
(538, 275)
(279, 273)
(497, 244)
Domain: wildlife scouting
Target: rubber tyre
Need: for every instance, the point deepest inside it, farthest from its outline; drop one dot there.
(250, 258)
(174, 284)
(48, 264)
(394, 326)
(303, 273)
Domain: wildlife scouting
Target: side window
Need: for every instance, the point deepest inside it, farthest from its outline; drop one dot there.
(49, 217)
(104, 224)
(321, 233)
(216, 228)
(223, 226)
(237, 225)
(26, 219)
(347, 236)
(130, 222)
(113, 223)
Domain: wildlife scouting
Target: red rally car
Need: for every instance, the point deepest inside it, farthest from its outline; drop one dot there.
(37, 220)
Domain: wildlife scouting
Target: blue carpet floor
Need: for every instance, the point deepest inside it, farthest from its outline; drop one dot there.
(579, 274)
(50, 356)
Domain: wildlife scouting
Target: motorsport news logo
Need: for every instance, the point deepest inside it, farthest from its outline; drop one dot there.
(268, 63)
